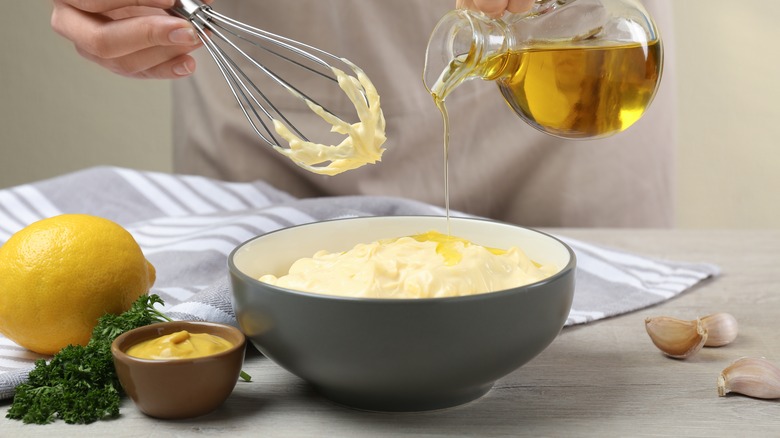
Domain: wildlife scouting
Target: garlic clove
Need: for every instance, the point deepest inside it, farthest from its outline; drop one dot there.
(751, 376)
(676, 338)
(721, 329)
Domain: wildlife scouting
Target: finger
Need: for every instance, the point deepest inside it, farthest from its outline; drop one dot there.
(496, 8)
(155, 62)
(105, 38)
(100, 6)
(491, 8)
(180, 67)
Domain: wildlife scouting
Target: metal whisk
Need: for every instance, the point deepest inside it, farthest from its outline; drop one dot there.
(221, 36)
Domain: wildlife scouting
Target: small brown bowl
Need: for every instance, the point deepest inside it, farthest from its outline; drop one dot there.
(179, 388)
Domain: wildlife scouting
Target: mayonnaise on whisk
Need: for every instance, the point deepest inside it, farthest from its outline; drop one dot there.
(363, 144)
(429, 265)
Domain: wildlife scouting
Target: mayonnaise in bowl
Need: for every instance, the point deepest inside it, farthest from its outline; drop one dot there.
(427, 265)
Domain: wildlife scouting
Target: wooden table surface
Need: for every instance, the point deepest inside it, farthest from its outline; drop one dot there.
(600, 379)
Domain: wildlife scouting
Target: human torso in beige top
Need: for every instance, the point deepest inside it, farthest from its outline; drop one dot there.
(499, 167)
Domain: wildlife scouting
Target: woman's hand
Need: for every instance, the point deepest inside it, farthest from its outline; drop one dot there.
(134, 38)
(496, 8)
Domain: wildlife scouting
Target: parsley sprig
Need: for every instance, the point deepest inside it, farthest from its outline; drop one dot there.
(79, 384)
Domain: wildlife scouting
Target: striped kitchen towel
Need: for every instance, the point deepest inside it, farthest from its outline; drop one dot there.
(187, 226)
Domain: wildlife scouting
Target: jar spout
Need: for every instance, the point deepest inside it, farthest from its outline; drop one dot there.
(458, 43)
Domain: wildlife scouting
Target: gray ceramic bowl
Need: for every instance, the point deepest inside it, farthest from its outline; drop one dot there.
(398, 354)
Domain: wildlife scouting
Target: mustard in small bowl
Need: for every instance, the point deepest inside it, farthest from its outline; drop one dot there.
(186, 368)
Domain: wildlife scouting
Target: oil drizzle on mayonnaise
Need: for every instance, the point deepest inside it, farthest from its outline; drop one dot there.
(427, 265)
(450, 78)
(364, 139)
(449, 246)
(446, 118)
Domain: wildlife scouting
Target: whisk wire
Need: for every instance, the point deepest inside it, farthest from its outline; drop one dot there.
(280, 41)
(215, 31)
(237, 87)
(246, 90)
(213, 25)
(268, 101)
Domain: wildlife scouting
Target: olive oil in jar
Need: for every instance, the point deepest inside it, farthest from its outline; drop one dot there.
(572, 69)
(578, 92)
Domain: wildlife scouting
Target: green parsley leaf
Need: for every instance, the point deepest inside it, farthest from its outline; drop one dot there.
(79, 384)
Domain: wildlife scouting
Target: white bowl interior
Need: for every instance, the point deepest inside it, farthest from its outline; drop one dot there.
(273, 253)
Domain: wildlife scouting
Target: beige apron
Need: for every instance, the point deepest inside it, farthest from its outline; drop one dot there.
(499, 167)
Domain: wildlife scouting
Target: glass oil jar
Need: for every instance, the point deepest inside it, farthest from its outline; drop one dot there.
(578, 69)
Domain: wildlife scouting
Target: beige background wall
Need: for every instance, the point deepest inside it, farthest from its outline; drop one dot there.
(59, 113)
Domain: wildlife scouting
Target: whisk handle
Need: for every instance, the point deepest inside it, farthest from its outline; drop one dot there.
(187, 8)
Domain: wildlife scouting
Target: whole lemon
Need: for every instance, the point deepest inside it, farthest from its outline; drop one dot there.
(59, 275)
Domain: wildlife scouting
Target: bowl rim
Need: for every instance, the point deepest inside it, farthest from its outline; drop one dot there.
(121, 354)
(565, 270)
